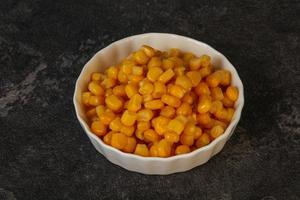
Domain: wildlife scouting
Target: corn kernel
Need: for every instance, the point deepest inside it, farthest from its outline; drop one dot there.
(182, 149)
(98, 128)
(187, 57)
(128, 118)
(188, 98)
(176, 126)
(115, 124)
(107, 117)
(142, 150)
(160, 124)
(135, 103)
(215, 106)
(227, 102)
(145, 115)
(184, 109)
(107, 138)
(214, 79)
(204, 119)
(203, 140)
(147, 97)
(195, 77)
(232, 93)
(140, 57)
(130, 146)
(95, 88)
(230, 113)
(97, 76)
(168, 112)
(202, 89)
(216, 93)
(154, 150)
(174, 52)
(96, 100)
(187, 139)
(167, 64)
(131, 89)
(177, 62)
(195, 63)
(216, 131)
(171, 137)
(226, 77)
(166, 76)
(177, 91)
(119, 140)
(171, 100)
(154, 62)
(108, 83)
(119, 91)
(204, 104)
(135, 79)
(197, 133)
(85, 98)
(190, 129)
(151, 136)
(205, 60)
(146, 88)
(154, 73)
(112, 72)
(139, 134)
(164, 148)
(184, 82)
(159, 89)
(154, 104)
(91, 113)
(179, 71)
(126, 66)
(113, 103)
(136, 70)
(122, 77)
(143, 126)
(205, 71)
(149, 51)
(222, 114)
(127, 130)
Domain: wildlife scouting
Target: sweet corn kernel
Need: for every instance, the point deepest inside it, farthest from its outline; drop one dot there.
(147, 97)
(160, 124)
(130, 146)
(113, 102)
(197, 133)
(143, 126)
(203, 140)
(226, 77)
(135, 79)
(154, 73)
(214, 79)
(151, 136)
(154, 150)
(171, 137)
(176, 125)
(187, 57)
(154, 62)
(167, 64)
(188, 98)
(112, 72)
(202, 89)
(122, 77)
(205, 71)
(227, 102)
(154, 104)
(108, 83)
(146, 88)
(131, 89)
(119, 140)
(135, 103)
(204, 119)
(177, 62)
(145, 115)
(159, 89)
(164, 148)
(107, 137)
(139, 134)
(179, 71)
(230, 113)
(184, 109)
(184, 82)
(166, 76)
(190, 129)
(220, 123)
(222, 114)
(171, 100)
(119, 91)
(216, 93)
(216, 131)
(95, 88)
(127, 130)
(205, 60)
(204, 104)
(107, 117)
(195, 63)
(140, 57)
(91, 113)
(182, 149)
(174, 52)
(195, 77)
(177, 91)
(168, 112)
(136, 70)
(97, 76)
(232, 93)
(187, 139)
(142, 150)
(215, 106)
(128, 118)
(85, 98)
(126, 66)
(98, 128)
(96, 100)
(115, 124)
(149, 51)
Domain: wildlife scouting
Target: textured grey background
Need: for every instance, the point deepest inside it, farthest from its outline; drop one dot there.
(44, 153)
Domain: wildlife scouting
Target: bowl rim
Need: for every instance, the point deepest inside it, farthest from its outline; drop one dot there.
(233, 123)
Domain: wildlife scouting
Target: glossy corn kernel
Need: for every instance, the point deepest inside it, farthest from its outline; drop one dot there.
(205, 71)
(112, 72)
(113, 102)
(130, 146)
(227, 102)
(171, 137)
(119, 140)
(184, 82)
(95, 88)
(147, 97)
(96, 100)
(108, 83)
(122, 77)
(115, 124)
(230, 113)
(127, 130)
(135, 79)
(154, 150)
(187, 139)
(197, 133)
(226, 77)
(214, 79)
(119, 91)
(91, 113)
(98, 128)
(232, 93)
(216, 106)
(135, 103)
(107, 138)
(178, 62)
(143, 126)
(202, 89)
(85, 98)
(205, 61)
(154, 62)
(154, 73)
(168, 112)
(96, 76)
(154, 104)
(216, 93)
(220, 123)
(131, 89)
(107, 117)
(159, 89)
(136, 70)
(190, 129)
(182, 149)
(151, 136)
(188, 98)
(128, 118)
(167, 64)
(179, 71)
(140, 57)
(177, 91)
(216, 131)
(149, 51)
(184, 109)
(171, 100)
(164, 148)
(195, 63)
(166, 76)
(146, 88)
(204, 104)
(176, 125)
(203, 140)
(204, 119)
(145, 115)
(174, 52)
(126, 67)
(187, 57)
(139, 134)
(195, 77)
(160, 124)
(142, 150)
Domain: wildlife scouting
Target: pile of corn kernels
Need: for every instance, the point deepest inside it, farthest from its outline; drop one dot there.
(160, 104)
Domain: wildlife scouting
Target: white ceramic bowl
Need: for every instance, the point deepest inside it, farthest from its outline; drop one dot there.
(117, 51)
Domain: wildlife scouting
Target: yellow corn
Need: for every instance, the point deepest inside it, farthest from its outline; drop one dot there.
(167, 64)
(154, 104)
(168, 112)
(96, 100)
(204, 104)
(159, 89)
(164, 148)
(95, 88)
(98, 128)
(187, 139)
(107, 137)
(142, 150)
(171, 137)
(127, 130)
(143, 126)
(177, 91)
(154, 62)
(140, 57)
(122, 77)
(179, 71)
(149, 51)
(216, 131)
(145, 115)
(166, 76)
(184, 82)
(112, 72)
(232, 93)
(182, 149)
(176, 125)
(119, 140)
(113, 103)
(115, 124)
(131, 89)
(100, 110)
(107, 117)
(136, 70)
(195, 77)
(130, 146)
(128, 118)
(203, 140)
(184, 109)
(146, 87)
(174, 52)
(202, 89)
(97, 76)
(119, 91)
(85, 98)
(151, 136)
(160, 124)
(171, 100)
(154, 73)
(216, 93)
(135, 103)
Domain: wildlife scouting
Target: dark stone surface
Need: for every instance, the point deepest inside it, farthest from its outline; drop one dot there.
(44, 153)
